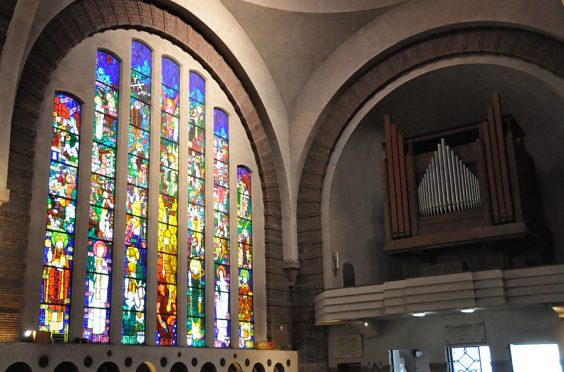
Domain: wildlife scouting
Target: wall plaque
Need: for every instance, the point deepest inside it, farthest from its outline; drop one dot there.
(465, 333)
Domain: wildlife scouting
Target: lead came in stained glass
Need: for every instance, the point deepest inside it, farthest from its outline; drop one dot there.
(138, 142)
(196, 244)
(169, 154)
(138, 171)
(96, 324)
(141, 58)
(137, 198)
(140, 86)
(58, 247)
(220, 124)
(196, 188)
(196, 164)
(196, 138)
(168, 210)
(140, 114)
(136, 231)
(197, 114)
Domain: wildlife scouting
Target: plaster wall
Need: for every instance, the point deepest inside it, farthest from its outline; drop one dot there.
(75, 75)
(429, 334)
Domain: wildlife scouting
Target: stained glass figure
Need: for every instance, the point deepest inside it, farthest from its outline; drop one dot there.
(167, 239)
(221, 251)
(64, 147)
(166, 314)
(196, 217)
(103, 160)
(136, 231)
(169, 182)
(58, 247)
(106, 100)
(196, 164)
(244, 229)
(196, 138)
(221, 221)
(140, 86)
(196, 187)
(197, 114)
(169, 126)
(101, 223)
(196, 245)
(63, 180)
(138, 142)
(221, 149)
(105, 127)
(102, 191)
(169, 154)
(221, 174)
(140, 114)
(245, 256)
(246, 335)
(221, 199)
(138, 171)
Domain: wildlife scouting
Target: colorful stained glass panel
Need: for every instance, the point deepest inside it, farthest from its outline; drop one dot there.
(62, 180)
(245, 282)
(221, 199)
(138, 142)
(58, 250)
(54, 318)
(169, 182)
(220, 124)
(140, 86)
(221, 251)
(196, 138)
(196, 278)
(138, 171)
(107, 70)
(170, 73)
(65, 147)
(136, 201)
(106, 100)
(221, 149)
(244, 207)
(246, 335)
(135, 263)
(222, 332)
(197, 87)
(196, 217)
(245, 256)
(246, 308)
(61, 214)
(243, 181)
(196, 188)
(196, 302)
(197, 114)
(166, 268)
(168, 210)
(220, 174)
(140, 114)
(196, 164)
(103, 160)
(167, 239)
(169, 101)
(169, 154)
(196, 244)
(140, 58)
(101, 224)
(195, 328)
(136, 231)
(133, 327)
(221, 221)
(169, 127)
(99, 257)
(245, 230)
(66, 113)
(105, 128)
(96, 325)
(102, 191)
(166, 314)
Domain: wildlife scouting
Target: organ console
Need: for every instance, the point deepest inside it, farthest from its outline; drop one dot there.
(463, 187)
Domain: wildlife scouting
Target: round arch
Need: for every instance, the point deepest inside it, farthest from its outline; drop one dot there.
(234, 367)
(541, 50)
(208, 367)
(66, 367)
(108, 367)
(146, 367)
(19, 367)
(66, 30)
(179, 367)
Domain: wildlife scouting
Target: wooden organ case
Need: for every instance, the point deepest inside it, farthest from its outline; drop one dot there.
(466, 188)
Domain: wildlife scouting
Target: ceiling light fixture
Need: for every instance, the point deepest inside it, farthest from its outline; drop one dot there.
(467, 311)
(419, 315)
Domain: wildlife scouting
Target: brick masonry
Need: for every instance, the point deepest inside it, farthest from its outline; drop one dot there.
(541, 50)
(79, 20)
(6, 13)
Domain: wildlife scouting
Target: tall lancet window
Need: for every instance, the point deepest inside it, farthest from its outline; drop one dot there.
(61, 207)
(195, 326)
(222, 324)
(168, 205)
(135, 259)
(96, 324)
(245, 258)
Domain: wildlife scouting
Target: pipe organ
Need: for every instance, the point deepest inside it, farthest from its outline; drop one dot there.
(466, 186)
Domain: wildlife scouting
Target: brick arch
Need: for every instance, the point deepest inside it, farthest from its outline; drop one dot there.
(541, 50)
(73, 24)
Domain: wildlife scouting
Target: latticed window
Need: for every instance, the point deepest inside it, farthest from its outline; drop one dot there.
(470, 359)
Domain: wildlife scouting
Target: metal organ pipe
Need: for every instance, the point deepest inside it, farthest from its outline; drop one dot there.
(448, 185)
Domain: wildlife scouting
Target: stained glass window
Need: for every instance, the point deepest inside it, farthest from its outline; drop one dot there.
(167, 245)
(96, 323)
(135, 258)
(195, 325)
(245, 258)
(59, 238)
(222, 324)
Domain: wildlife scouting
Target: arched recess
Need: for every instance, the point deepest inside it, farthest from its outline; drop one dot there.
(19, 367)
(80, 20)
(541, 50)
(179, 367)
(145, 367)
(66, 367)
(108, 367)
